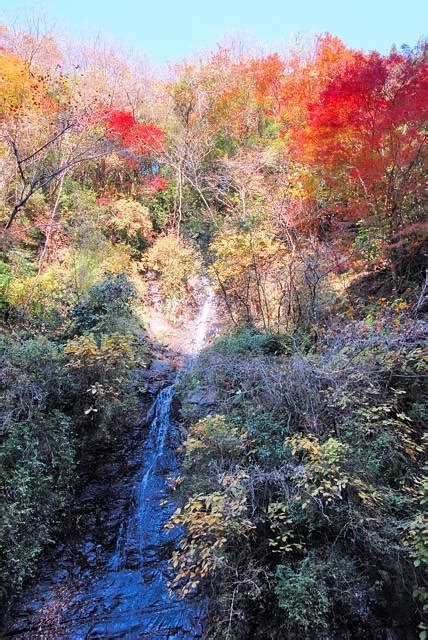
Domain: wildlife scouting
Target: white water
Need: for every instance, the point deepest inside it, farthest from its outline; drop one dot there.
(202, 323)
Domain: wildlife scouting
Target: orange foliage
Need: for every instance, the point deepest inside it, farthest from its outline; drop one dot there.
(19, 87)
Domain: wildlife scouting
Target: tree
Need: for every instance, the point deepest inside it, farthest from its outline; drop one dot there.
(366, 138)
(43, 136)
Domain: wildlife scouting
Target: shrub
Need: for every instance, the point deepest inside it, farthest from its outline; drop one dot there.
(106, 308)
(54, 399)
(303, 596)
(37, 463)
(131, 222)
(160, 206)
(211, 522)
(253, 341)
(5, 278)
(327, 448)
(39, 295)
(32, 377)
(37, 456)
(175, 261)
(312, 588)
(211, 441)
(101, 371)
(265, 435)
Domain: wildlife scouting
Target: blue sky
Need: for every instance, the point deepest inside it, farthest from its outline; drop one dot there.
(167, 30)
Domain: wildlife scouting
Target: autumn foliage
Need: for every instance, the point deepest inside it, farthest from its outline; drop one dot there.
(366, 134)
(291, 185)
(142, 139)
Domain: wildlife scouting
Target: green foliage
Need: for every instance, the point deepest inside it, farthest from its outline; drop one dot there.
(55, 398)
(76, 199)
(5, 278)
(37, 456)
(213, 439)
(253, 341)
(101, 370)
(310, 589)
(36, 203)
(329, 473)
(85, 220)
(31, 376)
(160, 207)
(417, 529)
(303, 596)
(211, 521)
(327, 447)
(37, 474)
(369, 240)
(265, 435)
(107, 307)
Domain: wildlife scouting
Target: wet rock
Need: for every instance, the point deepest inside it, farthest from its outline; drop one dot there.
(175, 408)
(60, 576)
(154, 387)
(160, 368)
(203, 397)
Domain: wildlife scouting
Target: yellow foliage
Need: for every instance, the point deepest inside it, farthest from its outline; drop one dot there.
(132, 219)
(114, 350)
(210, 521)
(175, 261)
(117, 260)
(236, 252)
(328, 472)
(18, 86)
(34, 291)
(386, 416)
(252, 267)
(213, 437)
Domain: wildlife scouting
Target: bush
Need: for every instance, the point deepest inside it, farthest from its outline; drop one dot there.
(38, 452)
(175, 262)
(160, 206)
(253, 341)
(106, 308)
(131, 222)
(54, 399)
(37, 463)
(5, 278)
(101, 370)
(327, 448)
(303, 596)
(309, 591)
(265, 434)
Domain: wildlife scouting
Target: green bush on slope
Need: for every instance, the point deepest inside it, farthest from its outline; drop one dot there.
(57, 394)
(330, 454)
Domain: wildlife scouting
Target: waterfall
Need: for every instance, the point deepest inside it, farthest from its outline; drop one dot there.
(124, 594)
(140, 532)
(138, 569)
(202, 323)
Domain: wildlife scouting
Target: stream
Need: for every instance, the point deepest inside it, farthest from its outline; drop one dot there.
(124, 593)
